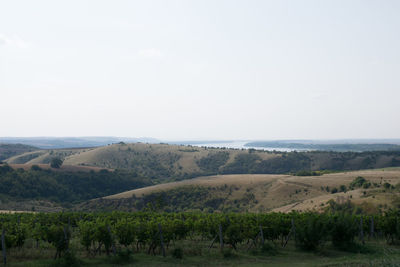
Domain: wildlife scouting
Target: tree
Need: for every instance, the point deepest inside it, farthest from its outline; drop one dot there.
(56, 163)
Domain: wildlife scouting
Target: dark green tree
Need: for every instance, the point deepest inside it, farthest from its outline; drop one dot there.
(56, 163)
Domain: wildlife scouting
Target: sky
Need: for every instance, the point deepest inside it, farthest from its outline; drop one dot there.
(198, 70)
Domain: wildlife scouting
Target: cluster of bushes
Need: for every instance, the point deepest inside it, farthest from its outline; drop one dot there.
(360, 182)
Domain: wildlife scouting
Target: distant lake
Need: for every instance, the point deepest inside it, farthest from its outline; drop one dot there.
(241, 145)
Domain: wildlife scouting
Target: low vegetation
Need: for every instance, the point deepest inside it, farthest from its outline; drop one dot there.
(10, 150)
(125, 238)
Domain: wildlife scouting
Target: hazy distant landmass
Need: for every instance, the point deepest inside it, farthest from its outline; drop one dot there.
(72, 142)
(351, 146)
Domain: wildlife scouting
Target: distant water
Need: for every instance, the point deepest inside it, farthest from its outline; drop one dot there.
(241, 145)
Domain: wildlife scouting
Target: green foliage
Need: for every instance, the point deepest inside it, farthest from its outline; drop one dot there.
(269, 248)
(58, 236)
(87, 233)
(177, 253)
(347, 207)
(311, 231)
(124, 256)
(103, 234)
(308, 173)
(56, 163)
(4, 169)
(69, 259)
(343, 230)
(213, 161)
(342, 188)
(228, 253)
(10, 150)
(65, 186)
(358, 182)
(243, 163)
(390, 225)
(103, 230)
(125, 232)
(388, 186)
(36, 168)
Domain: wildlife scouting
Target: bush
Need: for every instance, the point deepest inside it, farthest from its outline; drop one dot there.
(269, 249)
(123, 256)
(343, 230)
(36, 168)
(56, 163)
(69, 259)
(310, 232)
(177, 253)
(228, 253)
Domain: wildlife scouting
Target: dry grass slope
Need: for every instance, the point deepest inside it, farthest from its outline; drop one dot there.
(286, 193)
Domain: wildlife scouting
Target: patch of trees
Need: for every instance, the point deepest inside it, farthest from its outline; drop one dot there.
(213, 161)
(185, 198)
(308, 173)
(10, 150)
(65, 186)
(252, 163)
(311, 163)
(360, 182)
(56, 163)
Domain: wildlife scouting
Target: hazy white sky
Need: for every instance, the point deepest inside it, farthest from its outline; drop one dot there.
(200, 69)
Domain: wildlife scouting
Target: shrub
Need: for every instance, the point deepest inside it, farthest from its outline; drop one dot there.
(177, 253)
(123, 256)
(56, 163)
(310, 232)
(269, 249)
(343, 230)
(36, 168)
(228, 253)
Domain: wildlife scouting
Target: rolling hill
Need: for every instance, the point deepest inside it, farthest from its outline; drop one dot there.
(165, 163)
(260, 193)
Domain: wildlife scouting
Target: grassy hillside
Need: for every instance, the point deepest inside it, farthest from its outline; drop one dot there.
(164, 163)
(45, 156)
(260, 193)
(10, 150)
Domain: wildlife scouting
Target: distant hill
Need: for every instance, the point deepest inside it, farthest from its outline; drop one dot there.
(164, 163)
(72, 142)
(260, 193)
(10, 150)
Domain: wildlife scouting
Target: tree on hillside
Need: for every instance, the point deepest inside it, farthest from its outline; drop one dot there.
(56, 163)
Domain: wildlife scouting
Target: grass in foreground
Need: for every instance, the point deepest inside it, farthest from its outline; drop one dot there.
(198, 254)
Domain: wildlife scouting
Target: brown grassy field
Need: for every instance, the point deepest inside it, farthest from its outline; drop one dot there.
(286, 193)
